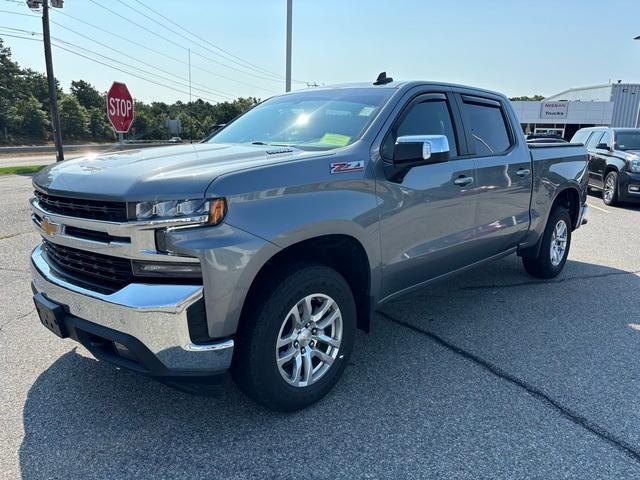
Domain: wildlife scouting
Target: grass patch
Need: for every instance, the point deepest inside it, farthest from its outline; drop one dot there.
(22, 170)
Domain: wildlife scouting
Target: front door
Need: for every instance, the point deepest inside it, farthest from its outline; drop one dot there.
(428, 217)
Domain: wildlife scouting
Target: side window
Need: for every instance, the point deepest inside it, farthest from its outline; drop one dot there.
(580, 136)
(606, 138)
(594, 139)
(489, 132)
(430, 117)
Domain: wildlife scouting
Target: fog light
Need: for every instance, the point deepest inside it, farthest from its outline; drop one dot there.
(634, 188)
(163, 269)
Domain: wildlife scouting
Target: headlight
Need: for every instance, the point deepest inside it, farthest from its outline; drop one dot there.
(200, 211)
(634, 166)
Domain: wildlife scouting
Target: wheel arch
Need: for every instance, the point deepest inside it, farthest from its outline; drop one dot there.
(342, 252)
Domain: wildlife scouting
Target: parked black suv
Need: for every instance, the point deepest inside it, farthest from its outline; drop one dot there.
(614, 162)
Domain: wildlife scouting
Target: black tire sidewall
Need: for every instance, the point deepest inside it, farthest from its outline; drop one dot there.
(257, 370)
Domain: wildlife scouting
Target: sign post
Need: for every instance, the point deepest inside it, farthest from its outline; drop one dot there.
(120, 108)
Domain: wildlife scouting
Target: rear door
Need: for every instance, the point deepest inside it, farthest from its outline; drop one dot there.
(427, 218)
(503, 172)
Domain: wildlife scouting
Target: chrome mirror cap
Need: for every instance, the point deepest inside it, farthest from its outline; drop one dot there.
(430, 143)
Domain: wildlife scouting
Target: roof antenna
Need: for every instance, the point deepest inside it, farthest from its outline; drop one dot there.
(383, 79)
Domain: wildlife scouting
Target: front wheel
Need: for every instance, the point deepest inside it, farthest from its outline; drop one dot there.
(610, 190)
(554, 250)
(297, 339)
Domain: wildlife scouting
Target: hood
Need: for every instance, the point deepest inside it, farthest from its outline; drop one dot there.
(167, 173)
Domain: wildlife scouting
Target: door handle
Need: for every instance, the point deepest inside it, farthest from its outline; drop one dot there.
(463, 181)
(523, 172)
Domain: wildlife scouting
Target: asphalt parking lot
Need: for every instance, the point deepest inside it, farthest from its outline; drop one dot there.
(489, 375)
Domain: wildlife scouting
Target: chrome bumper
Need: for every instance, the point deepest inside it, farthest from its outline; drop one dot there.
(154, 314)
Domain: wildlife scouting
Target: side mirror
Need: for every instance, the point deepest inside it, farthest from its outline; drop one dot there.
(603, 146)
(414, 150)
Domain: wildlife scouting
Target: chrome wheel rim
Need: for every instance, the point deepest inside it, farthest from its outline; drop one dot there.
(309, 340)
(558, 243)
(609, 188)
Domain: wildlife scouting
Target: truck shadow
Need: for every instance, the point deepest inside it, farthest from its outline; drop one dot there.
(85, 419)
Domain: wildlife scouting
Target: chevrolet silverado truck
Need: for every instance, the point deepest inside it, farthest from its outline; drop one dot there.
(260, 251)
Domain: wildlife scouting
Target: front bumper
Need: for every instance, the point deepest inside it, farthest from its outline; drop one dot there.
(149, 319)
(629, 187)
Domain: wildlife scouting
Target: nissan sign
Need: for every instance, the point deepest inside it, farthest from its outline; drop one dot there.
(554, 110)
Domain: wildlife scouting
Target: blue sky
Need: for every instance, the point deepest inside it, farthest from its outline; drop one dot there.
(517, 47)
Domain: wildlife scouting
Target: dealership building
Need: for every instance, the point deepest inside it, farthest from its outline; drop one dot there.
(614, 104)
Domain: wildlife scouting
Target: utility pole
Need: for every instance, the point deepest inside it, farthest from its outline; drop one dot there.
(55, 118)
(190, 110)
(288, 72)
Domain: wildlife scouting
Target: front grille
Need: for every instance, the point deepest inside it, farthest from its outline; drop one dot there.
(88, 268)
(81, 208)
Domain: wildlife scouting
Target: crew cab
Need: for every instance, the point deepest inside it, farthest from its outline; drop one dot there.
(614, 162)
(263, 249)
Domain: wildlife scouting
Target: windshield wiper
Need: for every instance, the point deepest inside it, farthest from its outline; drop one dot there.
(259, 142)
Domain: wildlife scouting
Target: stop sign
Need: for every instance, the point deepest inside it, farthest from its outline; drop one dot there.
(120, 107)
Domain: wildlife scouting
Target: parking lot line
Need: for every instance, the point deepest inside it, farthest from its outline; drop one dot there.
(598, 208)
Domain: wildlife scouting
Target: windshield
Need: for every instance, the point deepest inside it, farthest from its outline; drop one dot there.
(628, 140)
(311, 120)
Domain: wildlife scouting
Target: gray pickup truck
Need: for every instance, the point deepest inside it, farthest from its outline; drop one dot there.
(260, 251)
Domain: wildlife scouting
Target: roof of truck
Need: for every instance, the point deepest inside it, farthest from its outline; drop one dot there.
(397, 85)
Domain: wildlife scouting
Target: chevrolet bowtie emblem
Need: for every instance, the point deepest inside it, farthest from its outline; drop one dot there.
(49, 227)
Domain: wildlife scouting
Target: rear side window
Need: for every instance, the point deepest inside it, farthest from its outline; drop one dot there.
(489, 131)
(594, 139)
(580, 136)
(430, 117)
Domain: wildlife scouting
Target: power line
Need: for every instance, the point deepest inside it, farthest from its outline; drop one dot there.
(211, 90)
(71, 44)
(191, 41)
(202, 39)
(110, 66)
(140, 45)
(185, 48)
(164, 55)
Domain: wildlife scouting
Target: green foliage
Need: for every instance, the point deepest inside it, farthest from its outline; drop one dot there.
(22, 170)
(74, 119)
(25, 110)
(524, 98)
(87, 95)
(27, 119)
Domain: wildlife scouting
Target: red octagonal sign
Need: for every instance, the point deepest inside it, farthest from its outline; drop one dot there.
(120, 107)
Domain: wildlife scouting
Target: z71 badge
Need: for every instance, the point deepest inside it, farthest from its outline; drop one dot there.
(345, 167)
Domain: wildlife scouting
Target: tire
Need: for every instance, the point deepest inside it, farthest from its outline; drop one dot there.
(549, 264)
(270, 319)
(610, 189)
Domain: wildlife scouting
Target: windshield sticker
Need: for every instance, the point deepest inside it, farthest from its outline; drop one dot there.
(366, 111)
(346, 167)
(334, 139)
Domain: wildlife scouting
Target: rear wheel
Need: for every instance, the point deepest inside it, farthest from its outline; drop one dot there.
(297, 339)
(554, 250)
(610, 190)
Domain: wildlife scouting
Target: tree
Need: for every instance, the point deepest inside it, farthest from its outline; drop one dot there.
(9, 78)
(87, 95)
(28, 120)
(535, 98)
(99, 126)
(74, 119)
